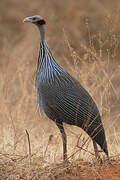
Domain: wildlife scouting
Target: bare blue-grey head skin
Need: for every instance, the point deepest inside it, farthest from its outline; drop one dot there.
(62, 97)
(39, 22)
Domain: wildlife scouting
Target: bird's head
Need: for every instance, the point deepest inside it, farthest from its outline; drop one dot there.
(37, 20)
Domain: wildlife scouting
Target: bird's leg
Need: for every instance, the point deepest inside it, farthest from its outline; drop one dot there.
(64, 139)
(107, 155)
(106, 152)
(96, 150)
(99, 160)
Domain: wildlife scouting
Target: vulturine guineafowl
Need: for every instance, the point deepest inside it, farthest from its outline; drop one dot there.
(62, 98)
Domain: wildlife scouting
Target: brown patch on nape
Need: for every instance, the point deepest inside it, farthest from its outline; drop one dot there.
(41, 22)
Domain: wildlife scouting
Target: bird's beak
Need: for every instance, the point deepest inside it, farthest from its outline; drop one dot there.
(27, 19)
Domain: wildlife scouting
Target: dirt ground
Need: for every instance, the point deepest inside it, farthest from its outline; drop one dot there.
(88, 172)
(77, 170)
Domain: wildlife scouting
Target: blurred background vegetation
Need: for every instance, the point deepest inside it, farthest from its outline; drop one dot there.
(103, 16)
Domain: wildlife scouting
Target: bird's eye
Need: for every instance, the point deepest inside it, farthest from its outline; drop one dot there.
(34, 18)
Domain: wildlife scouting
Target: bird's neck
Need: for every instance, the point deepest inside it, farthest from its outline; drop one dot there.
(42, 32)
(47, 67)
(45, 59)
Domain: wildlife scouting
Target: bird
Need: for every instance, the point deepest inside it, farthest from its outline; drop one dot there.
(63, 99)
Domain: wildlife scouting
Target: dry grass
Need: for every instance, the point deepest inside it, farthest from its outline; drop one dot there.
(30, 144)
